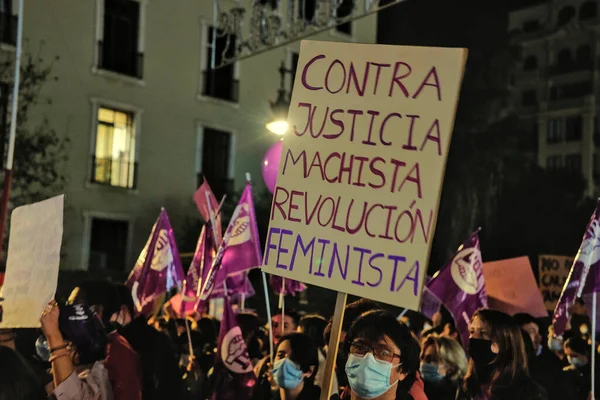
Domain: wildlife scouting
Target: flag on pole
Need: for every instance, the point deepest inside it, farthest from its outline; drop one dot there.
(158, 268)
(233, 376)
(429, 303)
(209, 206)
(238, 286)
(240, 249)
(291, 286)
(460, 285)
(584, 276)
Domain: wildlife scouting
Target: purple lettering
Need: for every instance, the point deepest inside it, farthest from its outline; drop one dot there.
(305, 72)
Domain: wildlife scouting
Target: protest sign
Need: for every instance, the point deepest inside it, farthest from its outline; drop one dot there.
(552, 274)
(355, 205)
(511, 287)
(33, 260)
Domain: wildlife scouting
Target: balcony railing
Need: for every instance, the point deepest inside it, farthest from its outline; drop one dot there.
(8, 28)
(114, 172)
(219, 85)
(570, 69)
(116, 60)
(219, 186)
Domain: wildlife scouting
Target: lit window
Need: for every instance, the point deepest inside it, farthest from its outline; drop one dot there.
(114, 157)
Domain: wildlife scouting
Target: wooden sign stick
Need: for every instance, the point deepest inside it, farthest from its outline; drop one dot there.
(334, 342)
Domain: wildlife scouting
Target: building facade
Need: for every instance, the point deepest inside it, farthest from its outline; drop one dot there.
(557, 83)
(145, 114)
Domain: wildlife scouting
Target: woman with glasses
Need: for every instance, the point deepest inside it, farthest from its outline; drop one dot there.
(383, 359)
(294, 368)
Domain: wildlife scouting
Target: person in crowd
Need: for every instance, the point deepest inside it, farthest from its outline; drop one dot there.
(556, 345)
(284, 325)
(443, 367)
(160, 372)
(18, 381)
(544, 367)
(314, 327)
(294, 368)
(578, 375)
(351, 313)
(122, 362)
(77, 344)
(498, 365)
(250, 326)
(383, 359)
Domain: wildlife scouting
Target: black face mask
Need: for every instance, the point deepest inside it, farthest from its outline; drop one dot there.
(481, 352)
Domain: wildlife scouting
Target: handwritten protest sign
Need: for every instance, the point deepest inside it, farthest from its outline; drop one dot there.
(32, 264)
(511, 287)
(552, 274)
(358, 189)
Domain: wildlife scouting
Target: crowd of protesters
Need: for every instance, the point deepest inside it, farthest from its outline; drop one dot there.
(95, 348)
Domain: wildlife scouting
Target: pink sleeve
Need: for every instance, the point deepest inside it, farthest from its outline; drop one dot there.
(91, 385)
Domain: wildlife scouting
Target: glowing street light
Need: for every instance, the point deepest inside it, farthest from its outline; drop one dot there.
(279, 107)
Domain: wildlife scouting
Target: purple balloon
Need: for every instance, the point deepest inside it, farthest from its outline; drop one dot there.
(270, 165)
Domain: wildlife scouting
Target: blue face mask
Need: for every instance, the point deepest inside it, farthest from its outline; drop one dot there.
(429, 372)
(287, 374)
(368, 377)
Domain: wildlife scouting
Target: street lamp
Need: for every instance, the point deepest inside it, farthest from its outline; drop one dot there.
(279, 107)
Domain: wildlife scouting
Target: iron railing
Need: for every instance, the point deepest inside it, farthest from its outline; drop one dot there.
(115, 60)
(219, 85)
(114, 172)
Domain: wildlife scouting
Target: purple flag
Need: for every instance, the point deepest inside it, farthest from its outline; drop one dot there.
(429, 303)
(291, 286)
(240, 249)
(584, 276)
(208, 207)
(234, 378)
(459, 285)
(158, 268)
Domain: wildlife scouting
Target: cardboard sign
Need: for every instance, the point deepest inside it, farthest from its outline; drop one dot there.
(33, 260)
(511, 287)
(553, 272)
(361, 169)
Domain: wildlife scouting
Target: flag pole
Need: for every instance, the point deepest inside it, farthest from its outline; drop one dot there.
(282, 305)
(8, 170)
(594, 345)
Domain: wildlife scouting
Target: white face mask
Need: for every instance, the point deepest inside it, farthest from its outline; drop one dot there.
(555, 344)
(576, 362)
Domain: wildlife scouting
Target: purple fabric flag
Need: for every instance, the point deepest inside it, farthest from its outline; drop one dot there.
(583, 278)
(291, 286)
(240, 248)
(208, 206)
(429, 303)
(238, 285)
(234, 378)
(158, 268)
(460, 285)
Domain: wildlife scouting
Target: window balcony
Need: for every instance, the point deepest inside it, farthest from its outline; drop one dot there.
(220, 85)
(114, 172)
(8, 28)
(220, 187)
(120, 62)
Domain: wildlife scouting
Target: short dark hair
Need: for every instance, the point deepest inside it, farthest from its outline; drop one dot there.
(524, 319)
(17, 379)
(304, 351)
(351, 313)
(290, 312)
(125, 298)
(375, 325)
(578, 344)
(314, 326)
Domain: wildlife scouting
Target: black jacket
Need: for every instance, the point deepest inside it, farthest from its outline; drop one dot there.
(546, 370)
(161, 379)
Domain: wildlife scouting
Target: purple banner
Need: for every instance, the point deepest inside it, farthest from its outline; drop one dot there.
(429, 303)
(158, 268)
(291, 286)
(460, 285)
(240, 249)
(234, 378)
(583, 278)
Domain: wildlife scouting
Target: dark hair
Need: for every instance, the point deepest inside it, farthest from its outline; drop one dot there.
(524, 319)
(375, 326)
(304, 352)
(293, 314)
(82, 327)
(529, 349)
(100, 293)
(18, 381)
(125, 298)
(510, 362)
(314, 326)
(209, 328)
(249, 324)
(578, 344)
(351, 313)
